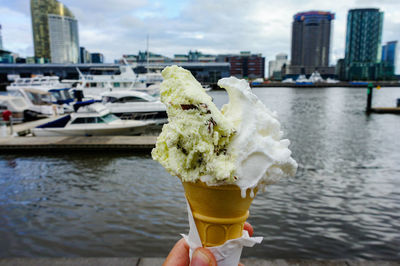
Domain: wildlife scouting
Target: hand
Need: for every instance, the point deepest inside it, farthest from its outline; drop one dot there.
(179, 254)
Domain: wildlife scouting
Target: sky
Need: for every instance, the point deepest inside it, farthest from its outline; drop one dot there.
(117, 27)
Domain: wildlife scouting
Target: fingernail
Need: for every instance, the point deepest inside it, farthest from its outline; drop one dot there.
(200, 259)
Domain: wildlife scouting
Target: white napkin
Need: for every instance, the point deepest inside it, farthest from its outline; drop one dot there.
(227, 254)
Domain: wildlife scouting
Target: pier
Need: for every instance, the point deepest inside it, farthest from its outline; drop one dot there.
(379, 110)
(24, 129)
(65, 144)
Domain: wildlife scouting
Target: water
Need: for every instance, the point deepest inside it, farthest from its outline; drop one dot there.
(343, 203)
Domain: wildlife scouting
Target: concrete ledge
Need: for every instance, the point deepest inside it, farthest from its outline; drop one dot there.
(159, 261)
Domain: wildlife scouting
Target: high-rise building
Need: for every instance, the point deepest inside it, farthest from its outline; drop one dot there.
(363, 46)
(389, 52)
(97, 58)
(84, 55)
(275, 66)
(55, 32)
(64, 40)
(1, 40)
(311, 37)
(245, 64)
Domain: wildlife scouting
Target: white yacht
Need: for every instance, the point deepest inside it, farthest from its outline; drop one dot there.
(94, 85)
(40, 102)
(93, 119)
(330, 80)
(16, 105)
(288, 80)
(135, 105)
(316, 77)
(61, 91)
(302, 80)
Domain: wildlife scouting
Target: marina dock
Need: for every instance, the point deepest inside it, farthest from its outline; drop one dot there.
(385, 110)
(65, 144)
(24, 129)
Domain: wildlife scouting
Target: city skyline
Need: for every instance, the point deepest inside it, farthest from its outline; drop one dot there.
(179, 26)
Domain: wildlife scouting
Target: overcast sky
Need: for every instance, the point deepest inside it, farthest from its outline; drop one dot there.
(116, 27)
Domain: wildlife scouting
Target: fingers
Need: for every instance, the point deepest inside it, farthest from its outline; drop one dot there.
(248, 228)
(203, 257)
(179, 255)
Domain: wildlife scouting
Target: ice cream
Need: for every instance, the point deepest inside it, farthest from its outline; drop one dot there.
(240, 145)
(223, 157)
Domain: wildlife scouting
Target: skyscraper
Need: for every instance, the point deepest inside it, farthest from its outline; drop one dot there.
(363, 44)
(311, 36)
(389, 52)
(55, 32)
(275, 66)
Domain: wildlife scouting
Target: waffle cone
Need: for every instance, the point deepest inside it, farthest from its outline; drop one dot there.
(218, 211)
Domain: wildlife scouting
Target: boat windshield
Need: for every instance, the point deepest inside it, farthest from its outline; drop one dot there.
(38, 98)
(109, 118)
(15, 93)
(61, 95)
(129, 99)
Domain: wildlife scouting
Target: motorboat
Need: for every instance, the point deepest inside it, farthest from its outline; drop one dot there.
(16, 105)
(316, 77)
(207, 87)
(93, 86)
(288, 80)
(91, 119)
(330, 80)
(302, 80)
(135, 105)
(40, 102)
(61, 91)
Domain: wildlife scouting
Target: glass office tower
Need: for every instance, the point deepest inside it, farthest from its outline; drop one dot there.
(55, 32)
(363, 43)
(389, 52)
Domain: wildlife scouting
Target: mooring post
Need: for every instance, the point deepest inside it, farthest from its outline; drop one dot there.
(369, 96)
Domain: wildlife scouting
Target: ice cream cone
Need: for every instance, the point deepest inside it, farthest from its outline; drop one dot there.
(218, 211)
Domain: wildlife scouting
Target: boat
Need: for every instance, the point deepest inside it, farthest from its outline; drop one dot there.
(40, 102)
(93, 86)
(207, 88)
(61, 91)
(302, 80)
(330, 80)
(16, 105)
(135, 105)
(288, 80)
(316, 77)
(91, 119)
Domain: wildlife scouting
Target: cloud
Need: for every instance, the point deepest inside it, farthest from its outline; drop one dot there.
(116, 27)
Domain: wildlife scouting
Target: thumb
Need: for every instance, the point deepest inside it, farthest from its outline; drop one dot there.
(203, 257)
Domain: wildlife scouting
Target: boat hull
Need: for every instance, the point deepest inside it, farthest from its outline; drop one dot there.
(123, 130)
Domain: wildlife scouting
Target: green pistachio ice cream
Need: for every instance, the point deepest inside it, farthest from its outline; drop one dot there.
(193, 143)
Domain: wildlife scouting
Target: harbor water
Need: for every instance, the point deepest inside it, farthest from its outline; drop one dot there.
(344, 202)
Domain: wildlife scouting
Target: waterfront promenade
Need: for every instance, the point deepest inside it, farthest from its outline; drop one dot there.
(159, 261)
